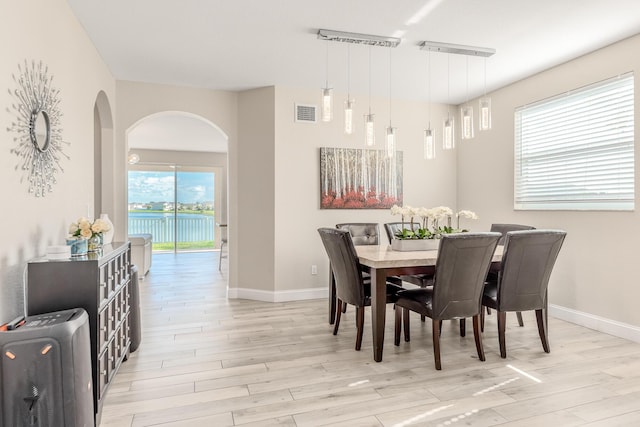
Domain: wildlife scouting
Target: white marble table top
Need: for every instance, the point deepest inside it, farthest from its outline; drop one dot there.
(382, 256)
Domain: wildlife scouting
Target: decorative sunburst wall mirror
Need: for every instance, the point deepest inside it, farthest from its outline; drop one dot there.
(38, 135)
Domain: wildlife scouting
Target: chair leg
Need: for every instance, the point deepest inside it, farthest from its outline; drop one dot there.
(435, 332)
(463, 327)
(488, 310)
(405, 319)
(502, 320)
(337, 321)
(360, 326)
(482, 319)
(520, 321)
(398, 324)
(478, 336)
(344, 307)
(542, 329)
(423, 317)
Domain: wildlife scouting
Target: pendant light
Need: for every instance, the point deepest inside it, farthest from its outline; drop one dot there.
(466, 113)
(391, 131)
(448, 128)
(429, 134)
(327, 95)
(369, 130)
(348, 104)
(485, 105)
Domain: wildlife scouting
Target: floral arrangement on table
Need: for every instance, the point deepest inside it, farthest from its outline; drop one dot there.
(86, 229)
(432, 223)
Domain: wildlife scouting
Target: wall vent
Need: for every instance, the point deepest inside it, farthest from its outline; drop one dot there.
(305, 113)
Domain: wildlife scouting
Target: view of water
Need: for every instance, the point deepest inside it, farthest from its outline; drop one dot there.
(190, 227)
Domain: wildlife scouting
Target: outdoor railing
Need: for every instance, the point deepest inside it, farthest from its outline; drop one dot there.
(196, 229)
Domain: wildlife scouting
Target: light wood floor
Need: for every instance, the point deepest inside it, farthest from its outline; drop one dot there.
(208, 361)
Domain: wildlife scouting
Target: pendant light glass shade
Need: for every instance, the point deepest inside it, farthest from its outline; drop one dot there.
(485, 114)
(391, 141)
(429, 144)
(348, 116)
(327, 104)
(466, 122)
(369, 131)
(448, 133)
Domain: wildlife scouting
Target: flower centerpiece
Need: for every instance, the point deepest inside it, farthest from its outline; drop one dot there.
(83, 228)
(426, 224)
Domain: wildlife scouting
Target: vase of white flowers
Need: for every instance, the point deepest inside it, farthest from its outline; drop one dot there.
(425, 226)
(91, 231)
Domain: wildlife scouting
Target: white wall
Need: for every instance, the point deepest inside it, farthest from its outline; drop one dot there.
(596, 272)
(46, 30)
(297, 180)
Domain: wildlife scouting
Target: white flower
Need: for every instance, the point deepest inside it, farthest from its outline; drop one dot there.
(396, 210)
(424, 213)
(442, 212)
(467, 214)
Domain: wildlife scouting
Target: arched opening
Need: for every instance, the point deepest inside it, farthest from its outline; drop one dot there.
(103, 157)
(177, 181)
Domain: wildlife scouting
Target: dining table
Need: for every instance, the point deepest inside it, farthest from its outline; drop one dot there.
(381, 262)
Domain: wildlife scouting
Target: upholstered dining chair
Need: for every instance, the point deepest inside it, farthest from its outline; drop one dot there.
(461, 268)
(504, 229)
(362, 233)
(521, 284)
(350, 286)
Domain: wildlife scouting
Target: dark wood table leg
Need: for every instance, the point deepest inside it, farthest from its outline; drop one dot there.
(332, 297)
(378, 310)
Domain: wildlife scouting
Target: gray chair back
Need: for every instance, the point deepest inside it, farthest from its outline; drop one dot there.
(505, 228)
(527, 262)
(344, 264)
(461, 269)
(362, 233)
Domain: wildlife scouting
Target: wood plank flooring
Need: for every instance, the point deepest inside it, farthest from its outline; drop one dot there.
(208, 361)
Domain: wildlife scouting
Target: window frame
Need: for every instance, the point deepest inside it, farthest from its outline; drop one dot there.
(568, 171)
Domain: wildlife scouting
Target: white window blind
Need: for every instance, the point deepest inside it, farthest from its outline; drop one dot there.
(575, 151)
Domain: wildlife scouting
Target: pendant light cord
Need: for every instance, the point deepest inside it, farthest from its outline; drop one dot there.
(348, 72)
(448, 85)
(327, 64)
(369, 79)
(429, 87)
(389, 87)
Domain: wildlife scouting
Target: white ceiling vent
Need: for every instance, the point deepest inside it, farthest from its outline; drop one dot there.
(305, 113)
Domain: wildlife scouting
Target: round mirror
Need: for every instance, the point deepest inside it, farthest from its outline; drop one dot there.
(39, 130)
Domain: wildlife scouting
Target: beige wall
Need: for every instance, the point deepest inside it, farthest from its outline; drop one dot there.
(252, 242)
(596, 271)
(297, 180)
(46, 30)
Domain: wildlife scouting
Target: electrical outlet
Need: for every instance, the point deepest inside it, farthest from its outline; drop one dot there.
(314, 270)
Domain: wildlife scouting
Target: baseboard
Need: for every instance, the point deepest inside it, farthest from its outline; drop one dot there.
(277, 296)
(608, 326)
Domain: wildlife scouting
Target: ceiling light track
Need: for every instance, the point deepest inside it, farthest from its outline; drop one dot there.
(458, 49)
(356, 38)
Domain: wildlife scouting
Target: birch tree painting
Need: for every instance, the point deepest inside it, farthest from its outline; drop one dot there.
(352, 178)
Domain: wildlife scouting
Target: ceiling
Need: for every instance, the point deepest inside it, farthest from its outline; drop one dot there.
(243, 44)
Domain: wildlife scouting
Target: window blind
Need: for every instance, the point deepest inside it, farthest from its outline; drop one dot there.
(576, 150)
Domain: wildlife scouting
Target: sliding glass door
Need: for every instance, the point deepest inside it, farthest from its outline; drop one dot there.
(173, 204)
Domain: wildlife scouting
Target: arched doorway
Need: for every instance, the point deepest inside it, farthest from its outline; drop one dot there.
(103, 157)
(177, 181)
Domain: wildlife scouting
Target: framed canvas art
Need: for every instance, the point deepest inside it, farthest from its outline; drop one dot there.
(354, 178)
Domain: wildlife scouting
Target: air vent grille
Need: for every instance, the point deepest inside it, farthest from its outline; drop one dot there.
(305, 113)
